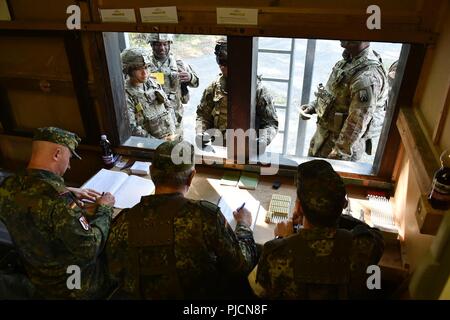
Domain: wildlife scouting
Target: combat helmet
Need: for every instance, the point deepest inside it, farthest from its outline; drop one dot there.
(133, 58)
(221, 51)
(160, 37)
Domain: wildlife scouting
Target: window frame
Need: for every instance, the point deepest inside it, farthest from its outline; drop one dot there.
(242, 58)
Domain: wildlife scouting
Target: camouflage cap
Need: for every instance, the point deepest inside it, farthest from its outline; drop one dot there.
(174, 156)
(59, 136)
(135, 58)
(321, 192)
(160, 37)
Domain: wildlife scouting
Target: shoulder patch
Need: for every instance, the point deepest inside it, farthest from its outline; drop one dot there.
(209, 206)
(84, 223)
(363, 81)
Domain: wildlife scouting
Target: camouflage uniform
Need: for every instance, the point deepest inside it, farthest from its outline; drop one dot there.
(51, 231)
(350, 108)
(170, 247)
(323, 262)
(149, 112)
(213, 108)
(176, 91)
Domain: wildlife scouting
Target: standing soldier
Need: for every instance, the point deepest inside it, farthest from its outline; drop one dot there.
(149, 112)
(53, 232)
(170, 247)
(351, 107)
(175, 77)
(213, 108)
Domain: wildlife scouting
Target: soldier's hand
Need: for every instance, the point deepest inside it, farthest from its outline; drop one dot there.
(284, 228)
(171, 137)
(306, 111)
(106, 199)
(85, 194)
(243, 216)
(184, 76)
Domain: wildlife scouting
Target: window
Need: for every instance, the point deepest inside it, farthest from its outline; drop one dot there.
(290, 69)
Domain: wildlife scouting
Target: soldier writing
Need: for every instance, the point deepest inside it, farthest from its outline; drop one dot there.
(149, 112)
(351, 106)
(49, 224)
(327, 258)
(213, 108)
(177, 75)
(170, 247)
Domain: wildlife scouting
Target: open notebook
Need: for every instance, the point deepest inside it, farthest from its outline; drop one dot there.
(127, 189)
(230, 201)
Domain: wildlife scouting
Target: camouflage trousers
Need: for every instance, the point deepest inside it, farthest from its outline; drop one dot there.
(324, 140)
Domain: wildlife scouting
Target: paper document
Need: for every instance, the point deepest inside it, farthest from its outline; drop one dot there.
(117, 15)
(231, 201)
(140, 167)
(159, 15)
(127, 190)
(237, 16)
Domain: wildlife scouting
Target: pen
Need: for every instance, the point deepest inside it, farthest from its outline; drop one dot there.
(240, 208)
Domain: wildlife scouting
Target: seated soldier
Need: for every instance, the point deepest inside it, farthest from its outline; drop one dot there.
(170, 247)
(327, 258)
(50, 227)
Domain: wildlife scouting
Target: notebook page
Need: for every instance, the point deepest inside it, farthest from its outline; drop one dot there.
(106, 181)
(131, 191)
(232, 200)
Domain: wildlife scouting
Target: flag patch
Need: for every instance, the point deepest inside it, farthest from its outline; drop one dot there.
(84, 223)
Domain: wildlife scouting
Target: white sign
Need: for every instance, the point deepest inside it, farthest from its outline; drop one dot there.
(237, 16)
(159, 15)
(117, 15)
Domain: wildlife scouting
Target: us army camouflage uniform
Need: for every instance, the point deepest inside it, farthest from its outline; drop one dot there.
(176, 91)
(212, 110)
(350, 108)
(313, 264)
(149, 112)
(183, 249)
(51, 232)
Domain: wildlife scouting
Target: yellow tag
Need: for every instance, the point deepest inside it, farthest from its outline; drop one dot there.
(159, 76)
(139, 107)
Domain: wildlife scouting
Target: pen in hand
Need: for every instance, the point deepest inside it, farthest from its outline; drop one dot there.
(241, 207)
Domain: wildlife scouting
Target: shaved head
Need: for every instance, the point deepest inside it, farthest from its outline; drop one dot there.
(50, 156)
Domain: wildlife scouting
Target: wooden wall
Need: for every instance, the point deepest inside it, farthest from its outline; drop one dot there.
(431, 103)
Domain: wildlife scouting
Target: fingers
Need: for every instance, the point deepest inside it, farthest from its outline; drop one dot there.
(284, 228)
(184, 76)
(107, 199)
(93, 192)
